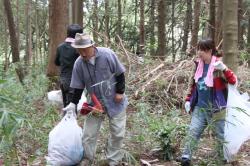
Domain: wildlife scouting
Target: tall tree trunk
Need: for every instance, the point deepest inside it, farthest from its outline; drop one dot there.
(28, 51)
(58, 21)
(240, 27)
(248, 38)
(152, 27)
(77, 12)
(172, 30)
(13, 40)
(5, 46)
(17, 23)
(119, 22)
(230, 33)
(95, 21)
(107, 13)
(195, 26)
(187, 25)
(212, 11)
(142, 28)
(71, 14)
(161, 50)
(218, 24)
(37, 30)
(136, 11)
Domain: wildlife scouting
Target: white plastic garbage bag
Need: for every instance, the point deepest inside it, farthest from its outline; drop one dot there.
(55, 96)
(65, 142)
(81, 101)
(237, 126)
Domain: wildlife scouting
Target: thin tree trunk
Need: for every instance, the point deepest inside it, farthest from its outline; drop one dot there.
(136, 11)
(13, 40)
(107, 13)
(248, 39)
(230, 33)
(195, 26)
(172, 30)
(95, 21)
(218, 29)
(17, 23)
(187, 25)
(6, 47)
(28, 51)
(161, 50)
(142, 28)
(119, 22)
(58, 21)
(212, 11)
(37, 58)
(152, 27)
(240, 27)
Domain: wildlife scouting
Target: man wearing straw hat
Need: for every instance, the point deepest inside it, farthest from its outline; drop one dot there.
(102, 74)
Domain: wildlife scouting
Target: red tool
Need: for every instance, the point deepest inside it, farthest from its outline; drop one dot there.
(87, 108)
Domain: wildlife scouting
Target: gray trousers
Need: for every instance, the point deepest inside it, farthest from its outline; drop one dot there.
(92, 126)
(200, 120)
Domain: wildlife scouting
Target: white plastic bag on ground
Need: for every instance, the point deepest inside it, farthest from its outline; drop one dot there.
(65, 142)
(237, 126)
(55, 96)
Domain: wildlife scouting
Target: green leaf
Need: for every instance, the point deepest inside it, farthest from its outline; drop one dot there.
(2, 81)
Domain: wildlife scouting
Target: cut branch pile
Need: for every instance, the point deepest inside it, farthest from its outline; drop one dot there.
(163, 85)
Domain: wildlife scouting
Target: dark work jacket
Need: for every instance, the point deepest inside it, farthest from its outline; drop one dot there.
(66, 56)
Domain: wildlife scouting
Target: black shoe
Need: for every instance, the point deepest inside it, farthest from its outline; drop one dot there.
(185, 162)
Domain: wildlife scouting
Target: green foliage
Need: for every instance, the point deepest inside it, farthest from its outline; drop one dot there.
(170, 136)
(167, 131)
(25, 120)
(244, 56)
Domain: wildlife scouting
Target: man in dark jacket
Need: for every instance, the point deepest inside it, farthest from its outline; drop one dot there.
(66, 56)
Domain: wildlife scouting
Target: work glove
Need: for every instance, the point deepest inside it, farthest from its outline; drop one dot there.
(70, 107)
(187, 107)
(219, 65)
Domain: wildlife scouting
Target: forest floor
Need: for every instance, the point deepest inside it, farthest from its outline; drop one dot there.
(155, 119)
(142, 150)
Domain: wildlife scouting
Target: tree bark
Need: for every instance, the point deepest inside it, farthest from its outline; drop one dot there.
(119, 22)
(58, 21)
(152, 27)
(172, 30)
(218, 24)
(13, 40)
(240, 26)
(248, 35)
(230, 33)
(95, 21)
(142, 28)
(195, 26)
(28, 51)
(212, 11)
(187, 25)
(136, 7)
(35, 57)
(17, 23)
(6, 47)
(107, 13)
(161, 50)
(77, 12)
